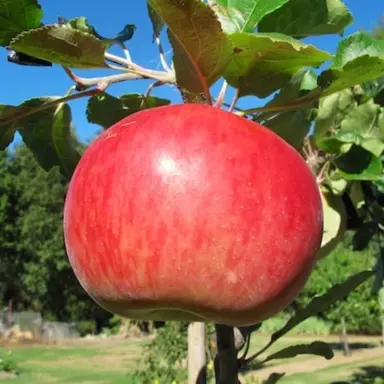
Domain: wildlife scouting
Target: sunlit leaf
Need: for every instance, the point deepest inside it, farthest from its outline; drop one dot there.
(335, 222)
(62, 45)
(359, 58)
(332, 110)
(302, 18)
(243, 15)
(266, 62)
(201, 49)
(17, 16)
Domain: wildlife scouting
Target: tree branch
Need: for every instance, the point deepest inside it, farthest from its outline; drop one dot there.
(302, 102)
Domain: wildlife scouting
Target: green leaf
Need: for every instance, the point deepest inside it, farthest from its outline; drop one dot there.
(337, 185)
(17, 16)
(156, 20)
(309, 81)
(201, 49)
(318, 348)
(105, 110)
(359, 164)
(302, 18)
(266, 62)
(335, 222)
(81, 24)
(321, 303)
(359, 58)
(363, 122)
(356, 195)
(373, 145)
(221, 10)
(7, 131)
(332, 110)
(373, 89)
(243, 15)
(338, 143)
(47, 134)
(62, 45)
(357, 45)
(341, 142)
(292, 126)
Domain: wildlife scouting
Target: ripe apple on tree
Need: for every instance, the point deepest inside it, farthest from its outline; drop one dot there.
(189, 212)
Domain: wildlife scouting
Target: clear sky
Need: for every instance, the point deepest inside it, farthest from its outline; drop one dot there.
(109, 17)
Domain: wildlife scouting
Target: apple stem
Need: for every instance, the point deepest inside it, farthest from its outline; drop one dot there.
(226, 363)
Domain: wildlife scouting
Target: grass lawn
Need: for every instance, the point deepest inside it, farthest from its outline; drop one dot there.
(371, 370)
(113, 361)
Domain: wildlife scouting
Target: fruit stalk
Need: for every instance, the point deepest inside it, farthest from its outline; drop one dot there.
(226, 364)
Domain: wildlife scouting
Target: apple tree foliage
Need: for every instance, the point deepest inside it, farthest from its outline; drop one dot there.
(334, 116)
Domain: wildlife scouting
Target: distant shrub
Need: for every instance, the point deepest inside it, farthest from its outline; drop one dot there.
(7, 363)
(312, 326)
(86, 327)
(361, 309)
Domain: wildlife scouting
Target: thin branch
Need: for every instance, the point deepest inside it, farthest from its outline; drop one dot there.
(127, 55)
(246, 349)
(84, 83)
(257, 354)
(117, 59)
(118, 68)
(25, 112)
(72, 76)
(321, 177)
(163, 60)
(228, 105)
(166, 77)
(234, 100)
(148, 92)
(220, 98)
(301, 102)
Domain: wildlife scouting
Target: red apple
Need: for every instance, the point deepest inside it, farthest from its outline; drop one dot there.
(189, 212)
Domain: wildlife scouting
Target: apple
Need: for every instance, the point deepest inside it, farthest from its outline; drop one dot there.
(189, 212)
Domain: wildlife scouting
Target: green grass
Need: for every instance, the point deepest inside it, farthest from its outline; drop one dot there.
(343, 373)
(113, 361)
(103, 363)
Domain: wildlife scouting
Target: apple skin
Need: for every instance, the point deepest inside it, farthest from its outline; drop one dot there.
(188, 212)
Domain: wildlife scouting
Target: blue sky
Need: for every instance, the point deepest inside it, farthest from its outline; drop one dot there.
(109, 17)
